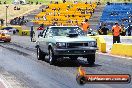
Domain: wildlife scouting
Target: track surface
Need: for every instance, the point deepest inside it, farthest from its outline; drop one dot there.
(22, 64)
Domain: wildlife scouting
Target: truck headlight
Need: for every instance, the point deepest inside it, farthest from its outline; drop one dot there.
(61, 44)
(92, 44)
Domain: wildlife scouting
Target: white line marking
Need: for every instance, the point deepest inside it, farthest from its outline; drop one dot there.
(5, 82)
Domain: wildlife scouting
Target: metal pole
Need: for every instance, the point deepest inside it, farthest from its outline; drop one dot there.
(6, 14)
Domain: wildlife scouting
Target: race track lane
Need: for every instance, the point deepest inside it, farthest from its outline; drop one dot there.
(39, 74)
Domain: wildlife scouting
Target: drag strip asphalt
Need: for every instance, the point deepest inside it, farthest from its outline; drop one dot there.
(23, 64)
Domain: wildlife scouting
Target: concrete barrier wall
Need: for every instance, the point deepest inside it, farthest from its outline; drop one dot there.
(100, 43)
(122, 49)
(24, 32)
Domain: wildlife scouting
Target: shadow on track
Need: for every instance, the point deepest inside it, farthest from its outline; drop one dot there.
(66, 62)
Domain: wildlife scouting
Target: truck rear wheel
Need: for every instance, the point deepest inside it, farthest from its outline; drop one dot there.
(40, 54)
(91, 59)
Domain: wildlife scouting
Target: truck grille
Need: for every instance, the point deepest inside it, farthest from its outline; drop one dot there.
(74, 45)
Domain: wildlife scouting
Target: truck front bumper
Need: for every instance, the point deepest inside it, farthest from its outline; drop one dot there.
(75, 51)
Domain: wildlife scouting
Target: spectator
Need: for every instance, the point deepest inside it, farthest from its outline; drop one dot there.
(129, 30)
(125, 19)
(67, 9)
(37, 3)
(64, 1)
(42, 10)
(91, 13)
(73, 15)
(75, 2)
(123, 30)
(99, 3)
(44, 17)
(116, 29)
(69, 21)
(83, 11)
(129, 18)
(76, 24)
(85, 26)
(2, 22)
(15, 8)
(18, 21)
(21, 23)
(4, 2)
(51, 2)
(100, 27)
(53, 9)
(40, 29)
(113, 13)
(104, 30)
(125, 3)
(78, 9)
(56, 2)
(47, 7)
(23, 17)
(21, 2)
(76, 21)
(54, 24)
(32, 33)
(108, 3)
(86, 2)
(93, 10)
(18, 8)
(61, 24)
(14, 32)
(58, 14)
(31, 3)
(58, 9)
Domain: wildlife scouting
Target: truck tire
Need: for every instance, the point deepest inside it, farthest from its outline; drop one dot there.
(91, 59)
(52, 57)
(40, 54)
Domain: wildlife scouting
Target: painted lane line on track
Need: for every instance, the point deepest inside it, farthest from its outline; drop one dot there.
(1, 85)
(5, 83)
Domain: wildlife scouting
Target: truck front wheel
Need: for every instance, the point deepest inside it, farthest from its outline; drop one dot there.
(91, 59)
(52, 57)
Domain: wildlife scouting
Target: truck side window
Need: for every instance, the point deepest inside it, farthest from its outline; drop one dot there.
(45, 32)
(48, 33)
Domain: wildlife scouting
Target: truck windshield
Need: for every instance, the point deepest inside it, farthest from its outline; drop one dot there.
(64, 31)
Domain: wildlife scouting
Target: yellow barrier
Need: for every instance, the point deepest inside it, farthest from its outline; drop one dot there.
(24, 32)
(100, 43)
(126, 37)
(21, 31)
(122, 49)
